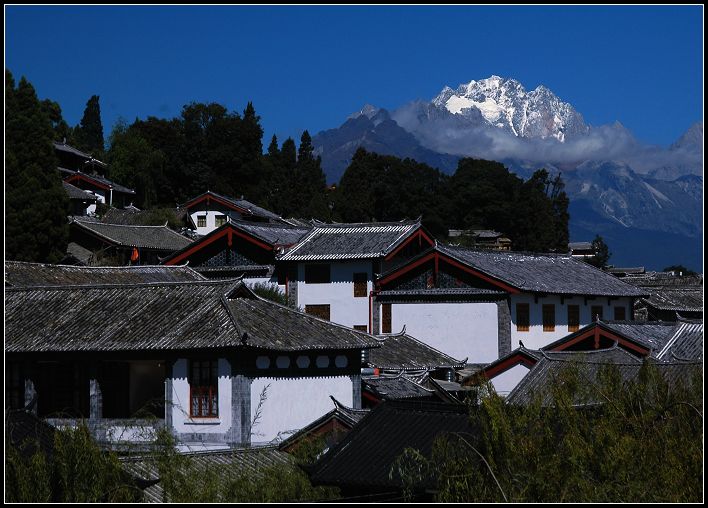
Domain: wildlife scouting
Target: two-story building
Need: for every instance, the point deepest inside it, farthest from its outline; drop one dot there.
(476, 303)
(209, 211)
(330, 271)
(211, 361)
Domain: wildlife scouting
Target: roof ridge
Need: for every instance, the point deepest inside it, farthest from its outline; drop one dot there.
(206, 282)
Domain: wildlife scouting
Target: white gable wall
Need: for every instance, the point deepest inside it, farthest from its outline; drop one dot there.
(210, 218)
(507, 380)
(344, 307)
(536, 338)
(461, 330)
(293, 403)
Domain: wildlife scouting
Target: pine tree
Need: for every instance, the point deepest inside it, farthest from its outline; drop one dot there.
(88, 135)
(36, 205)
(310, 184)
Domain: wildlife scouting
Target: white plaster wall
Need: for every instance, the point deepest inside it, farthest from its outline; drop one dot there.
(210, 221)
(507, 380)
(536, 338)
(181, 420)
(344, 309)
(293, 403)
(461, 330)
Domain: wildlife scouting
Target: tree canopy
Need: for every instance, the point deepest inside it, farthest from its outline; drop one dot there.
(36, 205)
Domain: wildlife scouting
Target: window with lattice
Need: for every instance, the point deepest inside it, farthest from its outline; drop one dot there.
(320, 311)
(522, 317)
(620, 314)
(573, 318)
(203, 387)
(386, 318)
(201, 221)
(360, 284)
(549, 317)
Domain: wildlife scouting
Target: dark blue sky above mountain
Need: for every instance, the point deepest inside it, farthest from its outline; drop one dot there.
(309, 67)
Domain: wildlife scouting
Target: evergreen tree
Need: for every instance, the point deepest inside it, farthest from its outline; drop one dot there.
(602, 253)
(88, 135)
(62, 131)
(310, 198)
(36, 205)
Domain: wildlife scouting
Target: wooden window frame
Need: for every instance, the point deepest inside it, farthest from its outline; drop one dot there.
(220, 220)
(548, 317)
(361, 284)
(593, 314)
(201, 221)
(574, 324)
(317, 310)
(523, 327)
(623, 311)
(314, 273)
(199, 390)
(386, 317)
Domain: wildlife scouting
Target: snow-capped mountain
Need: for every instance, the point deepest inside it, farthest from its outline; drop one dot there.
(505, 103)
(618, 186)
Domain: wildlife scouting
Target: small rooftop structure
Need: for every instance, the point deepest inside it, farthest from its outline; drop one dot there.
(369, 240)
(402, 352)
(143, 237)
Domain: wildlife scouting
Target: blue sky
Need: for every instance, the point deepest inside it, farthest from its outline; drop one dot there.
(309, 67)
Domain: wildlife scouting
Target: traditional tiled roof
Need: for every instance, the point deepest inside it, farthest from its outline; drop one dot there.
(659, 279)
(589, 364)
(440, 294)
(519, 355)
(346, 416)
(63, 147)
(75, 193)
(81, 254)
(23, 274)
(579, 246)
(351, 241)
(271, 233)
(686, 343)
(144, 237)
(542, 273)
(99, 180)
(163, 316)
(272, 326)
(367, 454)
(230, 464)
(395, 387)
(130, 217)
(651, 334)
(239, 204)
(401, 351)
(680, 299)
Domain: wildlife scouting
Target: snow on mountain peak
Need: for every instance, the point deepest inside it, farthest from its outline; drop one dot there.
(505, 103)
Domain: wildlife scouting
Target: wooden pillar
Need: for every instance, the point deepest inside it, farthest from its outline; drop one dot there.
(30, 388)
(356, 391)
(95, 395)
(169, 396)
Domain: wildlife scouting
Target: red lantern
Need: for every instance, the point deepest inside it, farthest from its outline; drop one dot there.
(134, 256)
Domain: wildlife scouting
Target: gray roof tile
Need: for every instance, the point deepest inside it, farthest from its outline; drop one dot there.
(544, 273)
(163, 316)
(547, 372)
(23, 274)
(241, 204)
(145, 237)
(401, 351)
(75, 193)
(351, 241)
(396, 387)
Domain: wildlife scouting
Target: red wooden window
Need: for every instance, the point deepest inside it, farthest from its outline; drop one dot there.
(522, 317)
(596, 312)
(620, 314)
(386, 318)
(204, 393)
(549, 317)
(320, 311)
(360, 281)
(573, 318)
